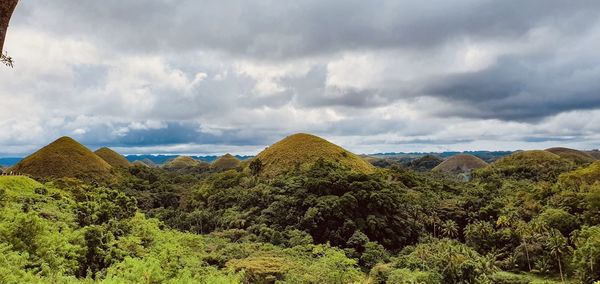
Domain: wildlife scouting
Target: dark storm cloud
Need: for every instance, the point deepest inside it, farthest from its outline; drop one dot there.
(171, 133)
(283, 29)
(519, 89)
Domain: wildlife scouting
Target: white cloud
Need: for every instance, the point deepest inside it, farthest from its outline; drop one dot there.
(359, 80)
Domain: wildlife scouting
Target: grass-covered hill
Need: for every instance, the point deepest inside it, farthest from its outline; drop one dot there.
(111, 157)
(461, 163)
(302, 150)
(181, 162)
(64, 157)
(575, 156)
(139, 163)
(186, 164)
(18, 186)
(536, 165)
(594, 153)
(425, 163)
(144, 162)
(225, 162)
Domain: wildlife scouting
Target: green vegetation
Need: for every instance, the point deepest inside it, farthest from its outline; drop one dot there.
(65, 157)
(186, 164)
(594, 153)
(425, 163)
(300, 151)
(67, 231)
(534, 165)
(532, 217)
(225, 162)
(461, 163)
(575, 156)
(111, 157)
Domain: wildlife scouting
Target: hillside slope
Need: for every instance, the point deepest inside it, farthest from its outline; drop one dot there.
(536, 165)
(15, 186)
(425, 163)
(461, 163)
(111, 157)
(576, 156)
(225, 162)
(301, 150)
(184, 162)
(64, 157)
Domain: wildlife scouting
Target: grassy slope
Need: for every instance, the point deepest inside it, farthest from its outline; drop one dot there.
(182, 162)
(64, 157)
(534, 164)
(572, 155)
(461, 163)
(19, 185)
(301, 150)
(225, 162)
(595, 154)
(111, 157)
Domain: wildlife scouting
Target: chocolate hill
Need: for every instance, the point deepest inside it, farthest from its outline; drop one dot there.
(184, 162)
(64, 157)
(576, 156)
(461, 163)
(301, 150)
(111, 157)
(225, 162)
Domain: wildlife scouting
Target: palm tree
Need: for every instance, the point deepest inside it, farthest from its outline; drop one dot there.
(557, 244)
(450, 228)
(433, 220)
(525, 233)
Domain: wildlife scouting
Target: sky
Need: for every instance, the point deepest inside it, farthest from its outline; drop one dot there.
(210, 77)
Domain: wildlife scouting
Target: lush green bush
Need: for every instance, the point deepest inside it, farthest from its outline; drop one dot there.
(407, 276)
(453, 261)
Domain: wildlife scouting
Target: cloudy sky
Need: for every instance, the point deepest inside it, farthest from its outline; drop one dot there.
(208, 77)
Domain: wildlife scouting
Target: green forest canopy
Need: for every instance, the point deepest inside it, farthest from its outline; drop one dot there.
(513, 222)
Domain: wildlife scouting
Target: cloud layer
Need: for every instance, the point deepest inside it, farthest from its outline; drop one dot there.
(206, 77)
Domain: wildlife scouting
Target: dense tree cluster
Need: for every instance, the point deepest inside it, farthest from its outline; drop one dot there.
(322, 224)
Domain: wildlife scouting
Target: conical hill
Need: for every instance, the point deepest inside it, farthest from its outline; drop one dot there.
(225, 162)
(302, 150)
(461, 163)
(64, 157)
(111, 157)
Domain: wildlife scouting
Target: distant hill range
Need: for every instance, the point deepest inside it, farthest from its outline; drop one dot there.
(487, 156)
(401, 157)
(163, 159)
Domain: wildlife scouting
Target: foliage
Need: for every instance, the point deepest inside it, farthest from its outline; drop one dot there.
(452, 261)
(407, 276)
(532, 165)
(586, 257)
(529, 218)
